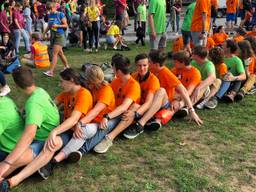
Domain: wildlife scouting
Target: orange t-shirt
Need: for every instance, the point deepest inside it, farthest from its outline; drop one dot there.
(210, 43)
(251, 66)
(81, 101)
(232, 6)
(219, 38)
(149, 85)
(241, 5)
(251, 33)
(188, 76)
(221, 69)
(168, 81)
(202, 6)
(215, 3)
(104, 95)
(177, 45)
(130, 90)
(238, 38)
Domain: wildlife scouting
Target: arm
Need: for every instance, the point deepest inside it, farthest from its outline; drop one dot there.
(151, 24)
(207, 82)
(17, 23)
(121, 108)
(5, 27)
(190, 89)
(204, 17)
(64, 23)
(144, 107)
(93, 113)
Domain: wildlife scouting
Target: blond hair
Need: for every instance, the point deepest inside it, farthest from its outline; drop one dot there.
(95, 76)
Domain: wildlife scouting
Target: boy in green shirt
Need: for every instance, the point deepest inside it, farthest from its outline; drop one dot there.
(11, 126)
(141, 18)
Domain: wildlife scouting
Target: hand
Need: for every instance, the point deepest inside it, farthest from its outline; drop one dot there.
(78, 132)
(55, 26)
(4, 167)
(128, 115)
(196, 118)
(229, 77)
(104, 123)
(202, 36)
(51, 141)
(153, 36)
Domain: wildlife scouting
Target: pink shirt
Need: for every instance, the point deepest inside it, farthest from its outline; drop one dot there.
(19, 16)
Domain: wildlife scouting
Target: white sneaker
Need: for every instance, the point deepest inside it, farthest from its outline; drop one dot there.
(201, 105)
(104, 145)
(115, 47)
(5, 90)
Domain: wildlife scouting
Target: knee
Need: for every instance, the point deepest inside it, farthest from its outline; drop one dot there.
(161, 93)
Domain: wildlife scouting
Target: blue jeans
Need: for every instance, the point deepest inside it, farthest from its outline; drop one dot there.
(101, 133)
(225, 85)
(3, 155)
(17, 34)
(177, 22)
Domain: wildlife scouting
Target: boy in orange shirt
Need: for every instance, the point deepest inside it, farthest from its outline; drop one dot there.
(220, 36)
(164, 97)
(177, 45)
(252, 32)
(210, 43)
(240, 34)
(127, 92)
(231, 14)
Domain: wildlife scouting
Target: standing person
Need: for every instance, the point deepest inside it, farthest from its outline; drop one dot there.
(83, 21)
(18, 29)
(56, 24)
(120, 8)
(232, 6)
(177, 7)
(172, 18)
(135, 4)
(214, 12)
(185, 29)
(157, 24)
(92, 12)
(27, 16)
(200, 24)
(4, 22)
(142, 19)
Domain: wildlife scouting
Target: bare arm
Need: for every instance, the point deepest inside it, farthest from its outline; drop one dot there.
(93, 113)
(204, 16)
(151, 23)
(145, 106)
(121, 108)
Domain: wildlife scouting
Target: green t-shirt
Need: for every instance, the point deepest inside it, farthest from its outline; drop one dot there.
(11, 124)
(206, 69)
(158, 9)
(235, 65)
(188, 17)
(40, 110)
(142, 10)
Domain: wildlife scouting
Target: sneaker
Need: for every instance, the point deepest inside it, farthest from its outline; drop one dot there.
(230, 97)
(212, 103)
(87, 50)
(48, 73)
(239, 96)
(153, 125)
(183, 112)
(133, 131)
(4, 186)
(74, 157)
(252, 91)
(47, 170)
(105, 46)
(5, 90)
(201, 104)
(115, 47)
(207, 92)
(96, 50)
(104, 145)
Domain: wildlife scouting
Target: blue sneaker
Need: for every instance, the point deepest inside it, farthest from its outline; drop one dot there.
(5, 186)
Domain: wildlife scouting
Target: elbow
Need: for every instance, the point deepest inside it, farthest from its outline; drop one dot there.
(243, 77)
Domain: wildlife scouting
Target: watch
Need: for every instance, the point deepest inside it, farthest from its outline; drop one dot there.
(106, 116)
(191, 110)
(137, 116)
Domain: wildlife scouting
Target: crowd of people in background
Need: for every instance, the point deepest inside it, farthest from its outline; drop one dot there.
(210, 64)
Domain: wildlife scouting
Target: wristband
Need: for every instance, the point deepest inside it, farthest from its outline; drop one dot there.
(6, 162)
(80, 124)
(203, 32)
(137, 116)
(191, 110)
(106, 116)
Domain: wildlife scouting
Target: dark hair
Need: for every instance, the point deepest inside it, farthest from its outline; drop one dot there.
(200, 51)
(252, 41)
(71, 75)
(121, 63)
(36, 36)
(140, 57)
(216, 55)
(246, 49)
(219, 28)
(241, 31)
(23, 77)
(232, 45)
(118, 23)
(182, 56)
(157, 56)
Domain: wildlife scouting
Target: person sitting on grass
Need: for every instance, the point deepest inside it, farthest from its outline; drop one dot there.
(188, 75)
(252, 32)
(41, 116)
(220, 36)
(209, 84)
(164, 97)
(240, 34)
(7, 49)
(236, 70)
(4, 89)
(38, 57)
(104, 102)
(113, 35)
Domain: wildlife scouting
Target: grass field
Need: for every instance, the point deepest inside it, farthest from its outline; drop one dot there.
(216, 157)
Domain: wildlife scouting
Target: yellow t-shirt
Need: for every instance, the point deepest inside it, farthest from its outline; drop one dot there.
(113, 30)
(93, 13)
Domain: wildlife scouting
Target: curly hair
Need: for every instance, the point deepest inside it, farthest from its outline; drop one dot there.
(216, 55)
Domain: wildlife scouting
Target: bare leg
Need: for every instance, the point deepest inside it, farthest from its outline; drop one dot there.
(56, 50)
(63, 58)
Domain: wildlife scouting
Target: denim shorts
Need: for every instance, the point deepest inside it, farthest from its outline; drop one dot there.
(159, 42)
(36, 147)
(231, 17)
(166, 106)
(3, 155)
(110, 39)
(186, 35)
(65, 137)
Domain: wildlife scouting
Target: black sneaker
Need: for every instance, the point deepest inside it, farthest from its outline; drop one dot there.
(152, 125)
(183, 112)
(239, 96)
(4, 186)
(74, 157)
(133, 131)
(47, 170)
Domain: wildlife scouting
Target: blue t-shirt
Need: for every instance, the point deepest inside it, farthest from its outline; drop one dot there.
(55, 18)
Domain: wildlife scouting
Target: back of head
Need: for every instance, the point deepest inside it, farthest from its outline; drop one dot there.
(182, 57)
(232, 45)
(157, 56)
(252, 41)
(23, 77)
(241, 31)
(216, 55)
(121, 63)
(71, 75)
(94, 75)
(36, 36)
(200, 51)
(246, 49)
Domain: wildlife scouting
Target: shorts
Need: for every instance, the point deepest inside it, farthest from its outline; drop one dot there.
(186, 35)
(65, 137)
(36, 146)
(110, 39)
(231, 17)
(57, 39)
(159, 42)
(166, 106)
(196, 40)
(3, 155)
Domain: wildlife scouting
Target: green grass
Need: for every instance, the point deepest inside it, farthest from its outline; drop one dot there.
(217, 157)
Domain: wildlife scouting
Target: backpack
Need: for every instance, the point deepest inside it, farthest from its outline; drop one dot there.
(106, 68)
